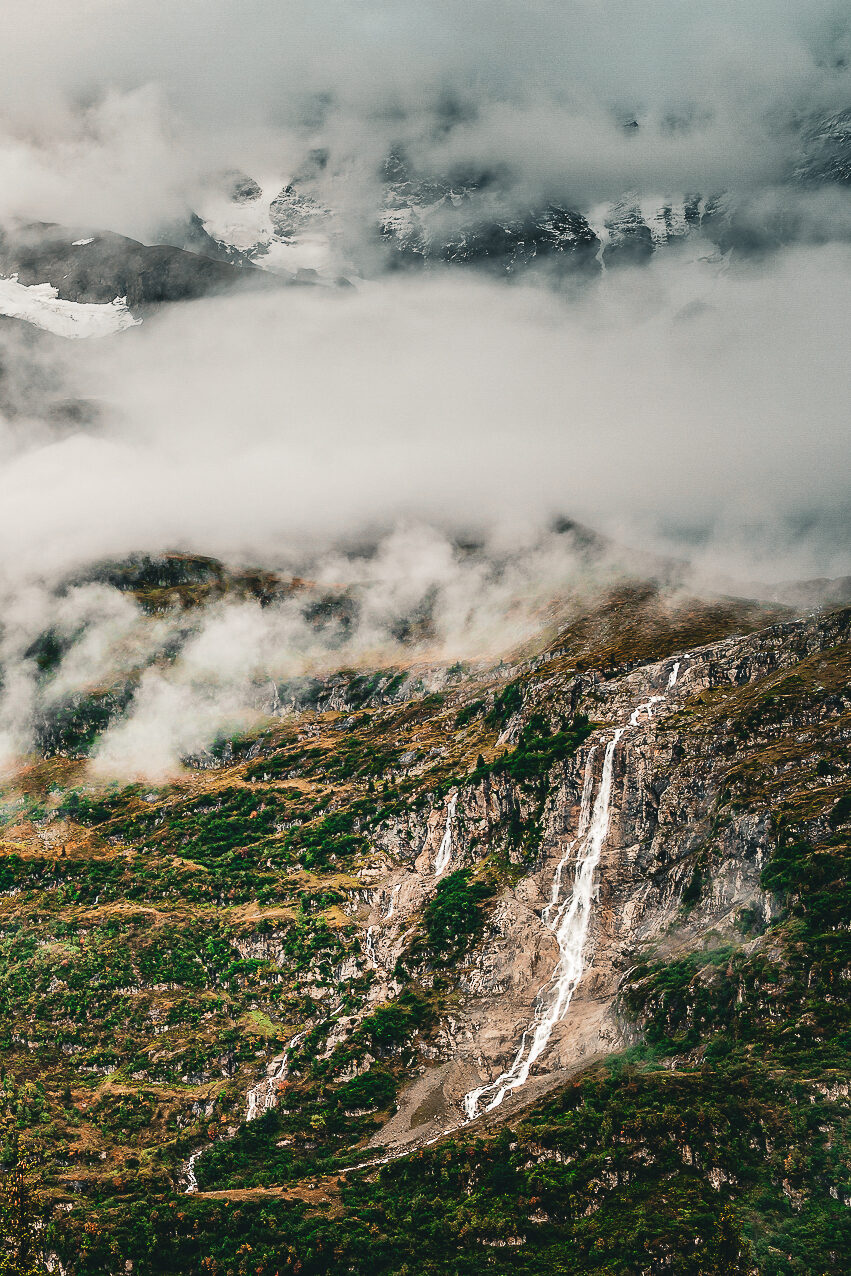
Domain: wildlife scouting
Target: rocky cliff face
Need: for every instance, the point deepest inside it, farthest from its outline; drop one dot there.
(462, 218)
(680, 865)
(96, 267)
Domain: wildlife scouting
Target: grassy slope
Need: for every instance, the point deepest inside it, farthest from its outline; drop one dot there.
(126, 1000)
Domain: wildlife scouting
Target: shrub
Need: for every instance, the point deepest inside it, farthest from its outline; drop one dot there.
(454, 916)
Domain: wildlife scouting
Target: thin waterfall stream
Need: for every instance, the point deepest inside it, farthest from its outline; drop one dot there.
(444, 854)
(569, 919)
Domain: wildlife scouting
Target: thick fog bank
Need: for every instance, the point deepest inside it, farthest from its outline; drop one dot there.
(597, 265)
(692, 406)
(120, 113)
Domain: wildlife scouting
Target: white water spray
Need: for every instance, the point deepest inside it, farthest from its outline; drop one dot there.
(391, 907)
(569, 920)
(570, 925)
(191, 1180)
(645, 707)
(584, 818)
(444, 854)
(260, 1098)
(264, 1095)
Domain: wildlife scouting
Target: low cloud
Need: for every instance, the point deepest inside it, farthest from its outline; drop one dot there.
(175, 681)
(669, 406)
(116, 114)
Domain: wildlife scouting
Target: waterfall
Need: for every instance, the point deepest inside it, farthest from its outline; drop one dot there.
(391, 907)
(570, 926)
(584, 817)
(444, 854)
(191, 1180)
(260, 1098)
(264, 1095)
(645, 707)
(568, 920)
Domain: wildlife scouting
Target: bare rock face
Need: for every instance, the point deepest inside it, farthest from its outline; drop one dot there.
(242, 188)
(826, 150)
(629, 237)
(294, 214)
(673, 872)
(461, 222)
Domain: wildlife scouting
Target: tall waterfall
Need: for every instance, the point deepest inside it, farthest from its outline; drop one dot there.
(444, 854)
(569, 920)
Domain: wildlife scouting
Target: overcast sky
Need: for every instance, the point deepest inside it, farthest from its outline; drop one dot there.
(696, 405)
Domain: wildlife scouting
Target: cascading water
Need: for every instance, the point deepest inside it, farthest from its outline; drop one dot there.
(584, 817)
(391, 907)
(645, 707)
(444, 854)
(569, 920)
(191, 1180)
(260, 1098)
(264, 1095)
(570, 925)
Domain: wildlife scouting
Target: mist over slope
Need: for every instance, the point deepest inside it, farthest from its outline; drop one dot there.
(695, 407)
(569, 266)
(572, 101)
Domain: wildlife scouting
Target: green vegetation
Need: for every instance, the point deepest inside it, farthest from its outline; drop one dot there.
(322, 1115)
(159, 947)
(453, 917)
(469, 712)
(537, 750)
(74, 726)
(22, 1220)
(506, 703)
(207, 829)
(732, 1158)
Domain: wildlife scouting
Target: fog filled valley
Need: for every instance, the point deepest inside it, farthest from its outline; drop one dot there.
(425, 638)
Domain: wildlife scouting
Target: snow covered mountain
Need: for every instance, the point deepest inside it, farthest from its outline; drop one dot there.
(419, 217)
(305, 228)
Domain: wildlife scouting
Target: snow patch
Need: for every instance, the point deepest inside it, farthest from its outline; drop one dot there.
(40, 305)
(248, 228)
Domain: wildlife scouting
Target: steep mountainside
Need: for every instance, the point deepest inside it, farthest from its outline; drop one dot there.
(542, 970)
(416, 215)
(96, 267)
